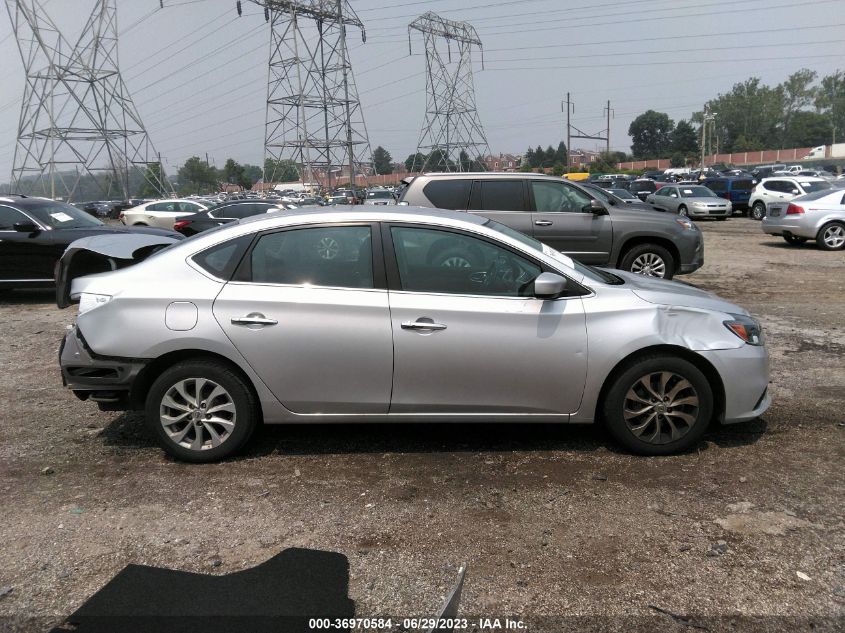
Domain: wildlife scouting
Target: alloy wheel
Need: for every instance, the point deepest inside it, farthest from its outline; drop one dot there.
(758, 211)
(456, 261)
(649, 265)
(834, 236)
(661, 407)
(197, 414)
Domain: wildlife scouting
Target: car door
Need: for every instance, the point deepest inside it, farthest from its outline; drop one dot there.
(504, 200)
(563, 219)
(475, 339)
(24, 256)
(307, 312)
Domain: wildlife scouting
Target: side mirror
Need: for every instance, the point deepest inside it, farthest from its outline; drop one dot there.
(596, 207)
(549, 286)
(795, 192)
(26, 227)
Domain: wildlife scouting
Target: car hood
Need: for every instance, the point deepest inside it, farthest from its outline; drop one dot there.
(676, 293)
(107, 251)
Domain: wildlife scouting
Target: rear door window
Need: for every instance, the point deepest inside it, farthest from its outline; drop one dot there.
(717, 185)
(449, 193)
(498, 195)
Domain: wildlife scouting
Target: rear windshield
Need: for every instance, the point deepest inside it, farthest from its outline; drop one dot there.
(815, 195)
(819, 185)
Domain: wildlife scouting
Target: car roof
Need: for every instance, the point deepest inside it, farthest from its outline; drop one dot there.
(358, 213)
(487, 174)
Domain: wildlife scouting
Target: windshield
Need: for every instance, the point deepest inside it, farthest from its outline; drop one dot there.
(589, 272)
(60, 215)
(696, 192)
(820, 185)
(379, 194)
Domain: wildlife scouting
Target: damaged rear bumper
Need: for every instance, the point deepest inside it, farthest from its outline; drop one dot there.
(106, 380)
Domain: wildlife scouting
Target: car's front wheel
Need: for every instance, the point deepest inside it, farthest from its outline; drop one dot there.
(201, 411)
(650, 260)
(658, 405)
(831, 237)
(683, 211)
(758, 211)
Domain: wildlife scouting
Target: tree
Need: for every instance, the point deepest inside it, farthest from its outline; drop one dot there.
(830, 101)
(751, 111)
(808, 129)
(153, 182)
(651, 134)
(678, 159)
(562, 153)
(280, 171)
(438, 160)
(539, 157)
(549, 156)
(382, 161)
(529, 159)
(196, 176)
(684, 140)
(415, 162)
(558, 169)
(252, 174)
(796, 93)
(233, 173)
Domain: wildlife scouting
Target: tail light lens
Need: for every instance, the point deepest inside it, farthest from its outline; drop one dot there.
(181, 224)
(794, 209)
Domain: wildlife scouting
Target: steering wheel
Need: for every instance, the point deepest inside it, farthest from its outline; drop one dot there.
(502, 274)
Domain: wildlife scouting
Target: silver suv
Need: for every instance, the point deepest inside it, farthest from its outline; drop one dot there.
(567, 217)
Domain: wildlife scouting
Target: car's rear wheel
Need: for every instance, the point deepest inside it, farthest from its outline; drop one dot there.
(758, 211)
(831, 237)
(650, 260)
(658, 405)
(201, 411)
(794, 239)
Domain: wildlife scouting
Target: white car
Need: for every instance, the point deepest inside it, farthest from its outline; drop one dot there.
(161, 213)
(781, 189)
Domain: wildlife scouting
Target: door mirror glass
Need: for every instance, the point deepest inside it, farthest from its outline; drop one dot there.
(549, 286)
(26, 227)
(597, 207)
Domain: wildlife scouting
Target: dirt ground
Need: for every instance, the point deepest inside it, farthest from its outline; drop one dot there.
(558, 527)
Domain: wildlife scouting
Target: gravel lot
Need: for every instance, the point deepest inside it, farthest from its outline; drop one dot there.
(552, 521)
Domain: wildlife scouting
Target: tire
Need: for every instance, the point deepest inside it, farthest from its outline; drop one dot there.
(721, 219)
(140, 224)
(758, 210)
(682, 211)
(177, 386)
(628, 407)
(651, 258)
(794, 239)
(831, 236)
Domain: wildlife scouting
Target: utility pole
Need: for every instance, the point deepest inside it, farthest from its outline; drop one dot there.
(607, 131)
(569, 107)
(581, 134)
(703, 138)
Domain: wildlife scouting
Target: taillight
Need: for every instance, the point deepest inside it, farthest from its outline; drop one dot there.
(181, 224)
(794, 209)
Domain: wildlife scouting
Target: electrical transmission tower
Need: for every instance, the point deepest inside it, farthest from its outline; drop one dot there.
(77, 118)
(452, 137)
(314, 117)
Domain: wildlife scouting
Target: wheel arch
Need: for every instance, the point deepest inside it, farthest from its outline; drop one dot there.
(146, 377)
(701, 363)
(630, 243)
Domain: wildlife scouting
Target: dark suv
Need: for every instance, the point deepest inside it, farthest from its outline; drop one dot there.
(569, 218)
(737, 190)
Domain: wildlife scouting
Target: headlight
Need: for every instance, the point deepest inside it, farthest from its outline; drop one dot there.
(88, 301)
(687, 224)
(746, 328)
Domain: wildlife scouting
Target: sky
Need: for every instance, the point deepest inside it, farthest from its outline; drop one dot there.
(197, 72)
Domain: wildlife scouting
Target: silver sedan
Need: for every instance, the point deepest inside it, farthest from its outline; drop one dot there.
(819, 216)
(350, 314)
(694, 201)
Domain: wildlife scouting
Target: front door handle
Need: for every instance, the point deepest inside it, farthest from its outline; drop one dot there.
(254, 318)
(422, 325)
(543, 222)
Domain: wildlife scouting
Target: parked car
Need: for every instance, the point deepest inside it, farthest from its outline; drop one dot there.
(334, 200)
(643, 188)
(782, 189)
(222, 214)
(161, 213)
(568, 217)
(231, 328)
(625, 195)
(819, 216)
(737, 190)
(34, 232)
(765, 171)
(379, 197)
(611, 199)
(694, 201)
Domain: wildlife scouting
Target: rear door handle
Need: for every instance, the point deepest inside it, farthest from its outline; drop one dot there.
(422, 325)
(543, 222)
(253, 318)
